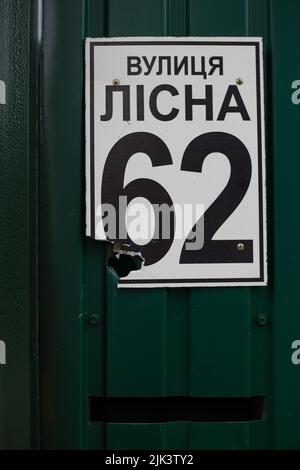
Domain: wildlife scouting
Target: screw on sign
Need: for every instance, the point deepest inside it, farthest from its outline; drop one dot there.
(175, 158)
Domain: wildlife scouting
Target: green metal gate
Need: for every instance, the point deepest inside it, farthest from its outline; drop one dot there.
(96, 340)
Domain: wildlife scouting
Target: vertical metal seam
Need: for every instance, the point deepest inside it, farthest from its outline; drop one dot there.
(106, 18)
(36, 14)
(247, 17)
(187, 12)
(165, 23)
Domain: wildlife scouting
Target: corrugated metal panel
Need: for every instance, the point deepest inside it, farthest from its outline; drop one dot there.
(199, 342)
(17, 215)
(284, 20)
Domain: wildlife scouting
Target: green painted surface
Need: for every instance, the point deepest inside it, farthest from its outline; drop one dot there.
(149, 342)
(202, 342)
(286, 204)
(17, 238)
(62, 243)
(182, 436)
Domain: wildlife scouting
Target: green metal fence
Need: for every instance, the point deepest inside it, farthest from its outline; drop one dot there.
(96, 340)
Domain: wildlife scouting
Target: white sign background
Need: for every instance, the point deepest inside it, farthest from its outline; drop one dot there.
(106, 60)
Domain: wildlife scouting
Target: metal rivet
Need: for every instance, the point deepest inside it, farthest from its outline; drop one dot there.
(94, 320)
(262, 319)
(116, 82)
(240, 246)
(239, 81)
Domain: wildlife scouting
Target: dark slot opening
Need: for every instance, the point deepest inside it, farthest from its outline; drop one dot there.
(164, 409)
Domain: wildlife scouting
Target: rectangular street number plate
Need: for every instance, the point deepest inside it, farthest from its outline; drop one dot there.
(175, 159)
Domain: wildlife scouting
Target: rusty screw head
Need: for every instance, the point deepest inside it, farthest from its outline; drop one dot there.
(240, 246)
(239, 81)
(116, 82)
(117, 247)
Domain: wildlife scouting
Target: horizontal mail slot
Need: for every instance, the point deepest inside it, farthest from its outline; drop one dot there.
(166, 409)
